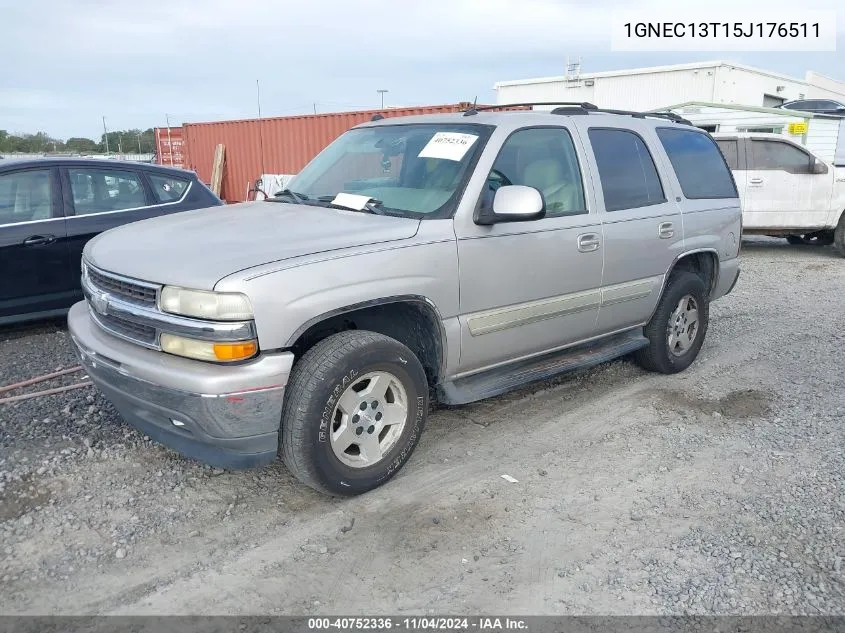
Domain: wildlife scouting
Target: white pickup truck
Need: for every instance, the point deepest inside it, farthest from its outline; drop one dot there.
(786, 190)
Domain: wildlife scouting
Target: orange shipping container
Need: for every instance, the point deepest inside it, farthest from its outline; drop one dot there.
(278, 145)
(169, 146)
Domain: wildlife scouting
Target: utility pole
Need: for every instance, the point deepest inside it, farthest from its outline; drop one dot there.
(169, 141)
(315, 107)
(106, 135)
(381, 92)
(139, 143)
(260, 127)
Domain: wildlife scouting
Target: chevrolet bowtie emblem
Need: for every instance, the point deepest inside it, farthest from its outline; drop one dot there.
(100, 302)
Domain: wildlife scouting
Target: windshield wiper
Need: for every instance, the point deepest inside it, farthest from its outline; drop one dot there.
(299, 198)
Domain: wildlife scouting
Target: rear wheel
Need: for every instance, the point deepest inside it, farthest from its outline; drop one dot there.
(677, 329)
(354, 409)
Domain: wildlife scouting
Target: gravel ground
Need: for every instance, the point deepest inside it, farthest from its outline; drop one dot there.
(718, 490)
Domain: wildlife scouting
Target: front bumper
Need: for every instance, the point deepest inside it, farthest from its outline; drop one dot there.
(226, 415)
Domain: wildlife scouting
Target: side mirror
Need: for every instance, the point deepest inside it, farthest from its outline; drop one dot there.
(817, 166)
(513, 203)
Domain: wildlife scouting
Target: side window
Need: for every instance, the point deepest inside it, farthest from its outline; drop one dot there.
(777, 156)
(698, 164)
(830, 105)
(730, 150)
(25, 196)
(101, 190)
(626, 169)
(543, 158)
(799, 105)
(168, 188)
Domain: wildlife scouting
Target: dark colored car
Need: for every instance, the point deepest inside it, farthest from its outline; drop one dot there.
(49, 209)
(820, 106)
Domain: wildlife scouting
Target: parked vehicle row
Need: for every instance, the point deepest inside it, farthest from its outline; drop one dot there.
(316, 324)
(786, 190)
(51, 207)
(458, 255)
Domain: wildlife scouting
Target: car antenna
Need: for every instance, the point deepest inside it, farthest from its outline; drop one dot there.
(472, 111)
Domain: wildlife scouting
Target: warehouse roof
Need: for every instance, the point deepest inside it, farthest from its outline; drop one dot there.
(747, 108)
(646, 71)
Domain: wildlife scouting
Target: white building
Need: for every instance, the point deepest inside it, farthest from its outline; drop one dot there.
(660, 86)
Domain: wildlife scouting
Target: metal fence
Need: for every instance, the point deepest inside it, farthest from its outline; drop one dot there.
(138, 158)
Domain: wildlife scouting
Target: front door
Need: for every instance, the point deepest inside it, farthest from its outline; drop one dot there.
(35, 277)
(530, 287)
(101, 198)
(780, 189)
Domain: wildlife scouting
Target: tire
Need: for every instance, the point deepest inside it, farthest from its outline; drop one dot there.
(346, 367)
(817, 238)
(839, 236)
(659, 356)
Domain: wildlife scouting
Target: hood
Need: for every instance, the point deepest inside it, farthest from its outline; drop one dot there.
(195, 249)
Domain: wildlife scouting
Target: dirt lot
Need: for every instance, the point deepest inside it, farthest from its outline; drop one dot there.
(719, 490)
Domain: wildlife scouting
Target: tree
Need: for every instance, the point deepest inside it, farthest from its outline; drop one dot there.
(119, 141)
(82, 145)
(30, 143)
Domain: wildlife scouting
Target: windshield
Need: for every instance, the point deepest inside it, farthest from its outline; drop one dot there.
(414, 170)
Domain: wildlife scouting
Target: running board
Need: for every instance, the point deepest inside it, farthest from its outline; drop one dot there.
(522, 373)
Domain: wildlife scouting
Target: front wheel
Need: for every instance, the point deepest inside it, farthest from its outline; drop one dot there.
(676, 330)
(354, 409)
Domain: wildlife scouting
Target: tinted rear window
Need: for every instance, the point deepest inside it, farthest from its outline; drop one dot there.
(698, 163)
(628, 176)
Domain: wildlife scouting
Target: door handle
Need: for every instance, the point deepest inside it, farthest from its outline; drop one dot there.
(39, 240)
(588, 242)
(665, 230)
(756, 181)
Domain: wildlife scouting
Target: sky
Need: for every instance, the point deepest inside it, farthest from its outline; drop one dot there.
(68, 64)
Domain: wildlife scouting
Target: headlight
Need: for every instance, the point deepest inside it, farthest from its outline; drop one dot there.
(215, 306)
(206, 350)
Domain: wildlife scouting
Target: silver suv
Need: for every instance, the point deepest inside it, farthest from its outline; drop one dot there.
(449, 256)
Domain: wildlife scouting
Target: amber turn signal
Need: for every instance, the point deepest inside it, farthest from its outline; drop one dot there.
(235, 351)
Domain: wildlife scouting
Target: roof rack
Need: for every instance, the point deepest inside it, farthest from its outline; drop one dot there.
(581, 107)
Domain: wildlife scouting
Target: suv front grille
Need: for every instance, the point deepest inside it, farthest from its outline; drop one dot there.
(127, 329)
(128, 291)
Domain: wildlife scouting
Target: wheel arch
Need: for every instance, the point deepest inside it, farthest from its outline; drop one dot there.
(701, 261)
(391, 316)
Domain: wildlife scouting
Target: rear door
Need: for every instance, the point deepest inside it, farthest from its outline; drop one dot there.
(643, 230)
(34, 272)
(781, 190)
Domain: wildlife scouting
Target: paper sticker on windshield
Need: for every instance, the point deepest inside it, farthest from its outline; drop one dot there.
(351, 201)
(448, 145)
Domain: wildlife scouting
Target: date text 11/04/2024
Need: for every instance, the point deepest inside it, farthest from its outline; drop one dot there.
(417, 624)
(722, 29)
